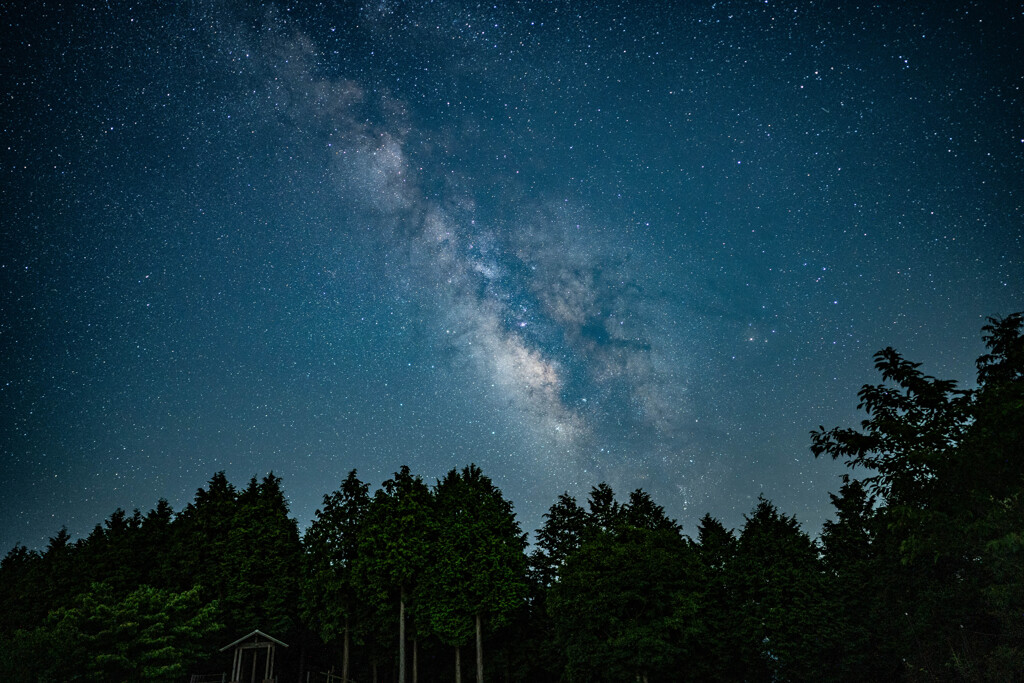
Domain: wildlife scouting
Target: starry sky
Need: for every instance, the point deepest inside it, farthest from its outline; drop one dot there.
(570, 242)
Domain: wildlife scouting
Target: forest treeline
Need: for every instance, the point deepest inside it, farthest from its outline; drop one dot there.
(919, 576)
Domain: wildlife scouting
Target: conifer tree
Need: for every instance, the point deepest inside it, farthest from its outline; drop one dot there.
(779, 598)
(330, 603)
(394, 549)
(477, 578)
(616, 606)
(717, 639)
(264, 558)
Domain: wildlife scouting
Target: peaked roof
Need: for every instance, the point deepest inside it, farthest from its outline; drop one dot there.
(257, 633)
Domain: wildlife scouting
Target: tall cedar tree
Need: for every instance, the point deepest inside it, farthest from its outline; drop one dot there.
(565, 525)
(858, 645)
(622, 600)
(779, 608)
(394, 548)
(715, 641)
(202, 533)
(330, 604)
(264, 560)
(477, 578)
(22, 584)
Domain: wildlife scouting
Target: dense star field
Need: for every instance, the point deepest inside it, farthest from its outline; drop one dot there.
(569, 242)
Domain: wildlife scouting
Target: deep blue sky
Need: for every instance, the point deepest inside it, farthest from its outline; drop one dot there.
(570, 242)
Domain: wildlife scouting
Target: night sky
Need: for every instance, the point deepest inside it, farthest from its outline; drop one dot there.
(571, 242)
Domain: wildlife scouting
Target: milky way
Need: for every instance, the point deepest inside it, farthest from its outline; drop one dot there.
(571, 244)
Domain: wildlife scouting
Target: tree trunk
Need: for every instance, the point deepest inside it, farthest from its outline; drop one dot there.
(458, 665)
(415, 664)
(374, 667)
(344, 656)
(401, 637)
(479, 652)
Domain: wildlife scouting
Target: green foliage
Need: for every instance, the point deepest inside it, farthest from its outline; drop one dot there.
(604, 509)
(150, 635)
(394, 549)
(22, 581)
(565, 527)
(394, 546)
(641, 512)
(780, 598)
(621, 588)
(945, 465)
(331, 545)
(920, 576)
(110, 555)
(478, 564)
(244, 549)
(621, 606)
(202, 534)
(715, 639)
(264, 558)
(860, 635)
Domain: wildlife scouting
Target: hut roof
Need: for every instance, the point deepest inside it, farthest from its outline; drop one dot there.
(255, 634)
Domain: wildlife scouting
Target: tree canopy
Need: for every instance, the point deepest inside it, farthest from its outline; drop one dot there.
(918, 576)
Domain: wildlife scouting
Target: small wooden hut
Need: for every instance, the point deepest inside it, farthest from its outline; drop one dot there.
(264, 649)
